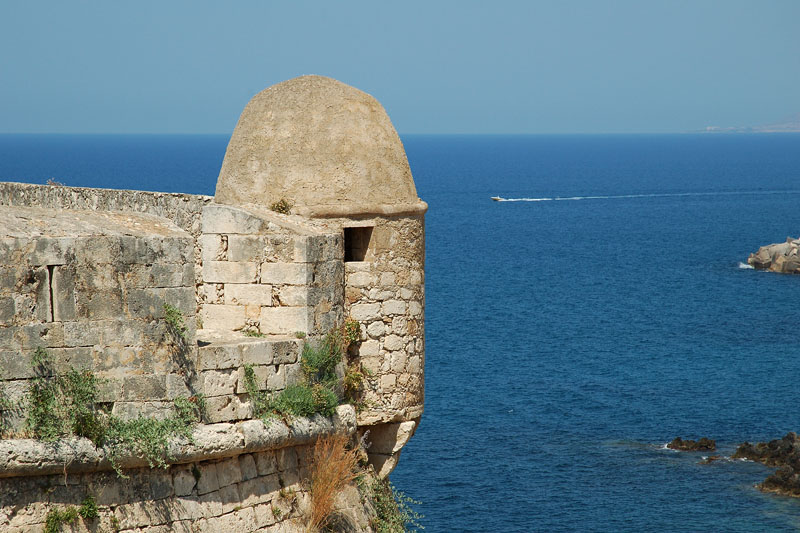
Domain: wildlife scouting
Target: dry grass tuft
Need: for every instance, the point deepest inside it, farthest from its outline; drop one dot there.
(334, 468)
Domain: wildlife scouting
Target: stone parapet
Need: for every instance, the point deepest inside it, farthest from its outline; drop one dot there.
(183, 210)
(27, 457)
(244, 477)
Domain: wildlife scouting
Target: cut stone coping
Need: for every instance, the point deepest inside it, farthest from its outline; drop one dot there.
(28, 222)
(339, 211)
(29, 457)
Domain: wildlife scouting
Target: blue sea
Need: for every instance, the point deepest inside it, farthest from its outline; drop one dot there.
(571, 334)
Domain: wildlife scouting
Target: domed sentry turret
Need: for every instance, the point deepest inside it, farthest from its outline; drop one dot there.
(346, 246)
(324, 147)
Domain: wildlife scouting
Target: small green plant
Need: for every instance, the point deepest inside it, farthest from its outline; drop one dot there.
(351, 331)
(353, 382)
(282, 206)
(174, 319)
(149, 438)
(300, 334)
(260, 400)
(62, 404)
(253, 333)
(88, 509)
(56, 518)
(319, 362)
(393, 513)
(276, 512)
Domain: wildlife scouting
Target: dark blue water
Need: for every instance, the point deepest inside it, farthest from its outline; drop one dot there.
(568, 340)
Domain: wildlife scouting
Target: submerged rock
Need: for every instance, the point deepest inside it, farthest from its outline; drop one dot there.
(710, 459)
(783, 453)
(782, 257)
(704, 444)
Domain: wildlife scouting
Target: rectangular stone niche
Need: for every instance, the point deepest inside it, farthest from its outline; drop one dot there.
(356, 243)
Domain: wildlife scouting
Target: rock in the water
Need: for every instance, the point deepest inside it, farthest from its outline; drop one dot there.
(710, 459)
(783, 453)
(782, 257)
(779, 452)
(704, 444)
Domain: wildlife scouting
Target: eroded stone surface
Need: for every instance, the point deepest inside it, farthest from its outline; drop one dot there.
(320, 144)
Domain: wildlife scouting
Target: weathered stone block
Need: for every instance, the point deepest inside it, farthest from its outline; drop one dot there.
(276, 378)
(211, 246)
(360, 279)
(294, 373)
(249, 294)
(266, 463)
(393, 307)
(229, 272)
(247, 465)
(208, 481)
(160, 484)
(219, 356)
(286, 273)
(376, 329)
(66, 358)
(131, 410)
(141, 388)
(365, 312)
(30, 337)
(7, 310)
(257, 353)
(287, 459)
(210, 506)
(219, 382)
(229, 472)
(177, 387)
(284, 320)
(393, 342)
(226, 409)
(259, 490)
(219, 218)
(328, 273)
(15, 365)
(246, 247)
(223, 317)
(369, 348)
(286, 351)
(293, 295)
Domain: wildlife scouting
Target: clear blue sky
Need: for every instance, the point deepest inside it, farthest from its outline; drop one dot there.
(556, 66)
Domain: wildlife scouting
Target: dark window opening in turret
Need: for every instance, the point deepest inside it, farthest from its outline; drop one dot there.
(356, 243)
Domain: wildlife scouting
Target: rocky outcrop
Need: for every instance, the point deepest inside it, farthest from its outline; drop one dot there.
(702, 445)
(782, 257)
(783, 453)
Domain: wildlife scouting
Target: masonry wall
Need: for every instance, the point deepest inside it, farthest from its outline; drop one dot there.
(96, 302)
(183, 210)
(265, 274)
(385, 293)
(253, 478)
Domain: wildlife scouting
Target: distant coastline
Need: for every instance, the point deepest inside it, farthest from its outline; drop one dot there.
(788, 125)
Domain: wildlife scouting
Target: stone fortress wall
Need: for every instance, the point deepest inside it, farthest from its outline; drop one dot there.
(85, 274)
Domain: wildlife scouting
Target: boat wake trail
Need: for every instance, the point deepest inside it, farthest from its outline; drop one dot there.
(655, 195)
